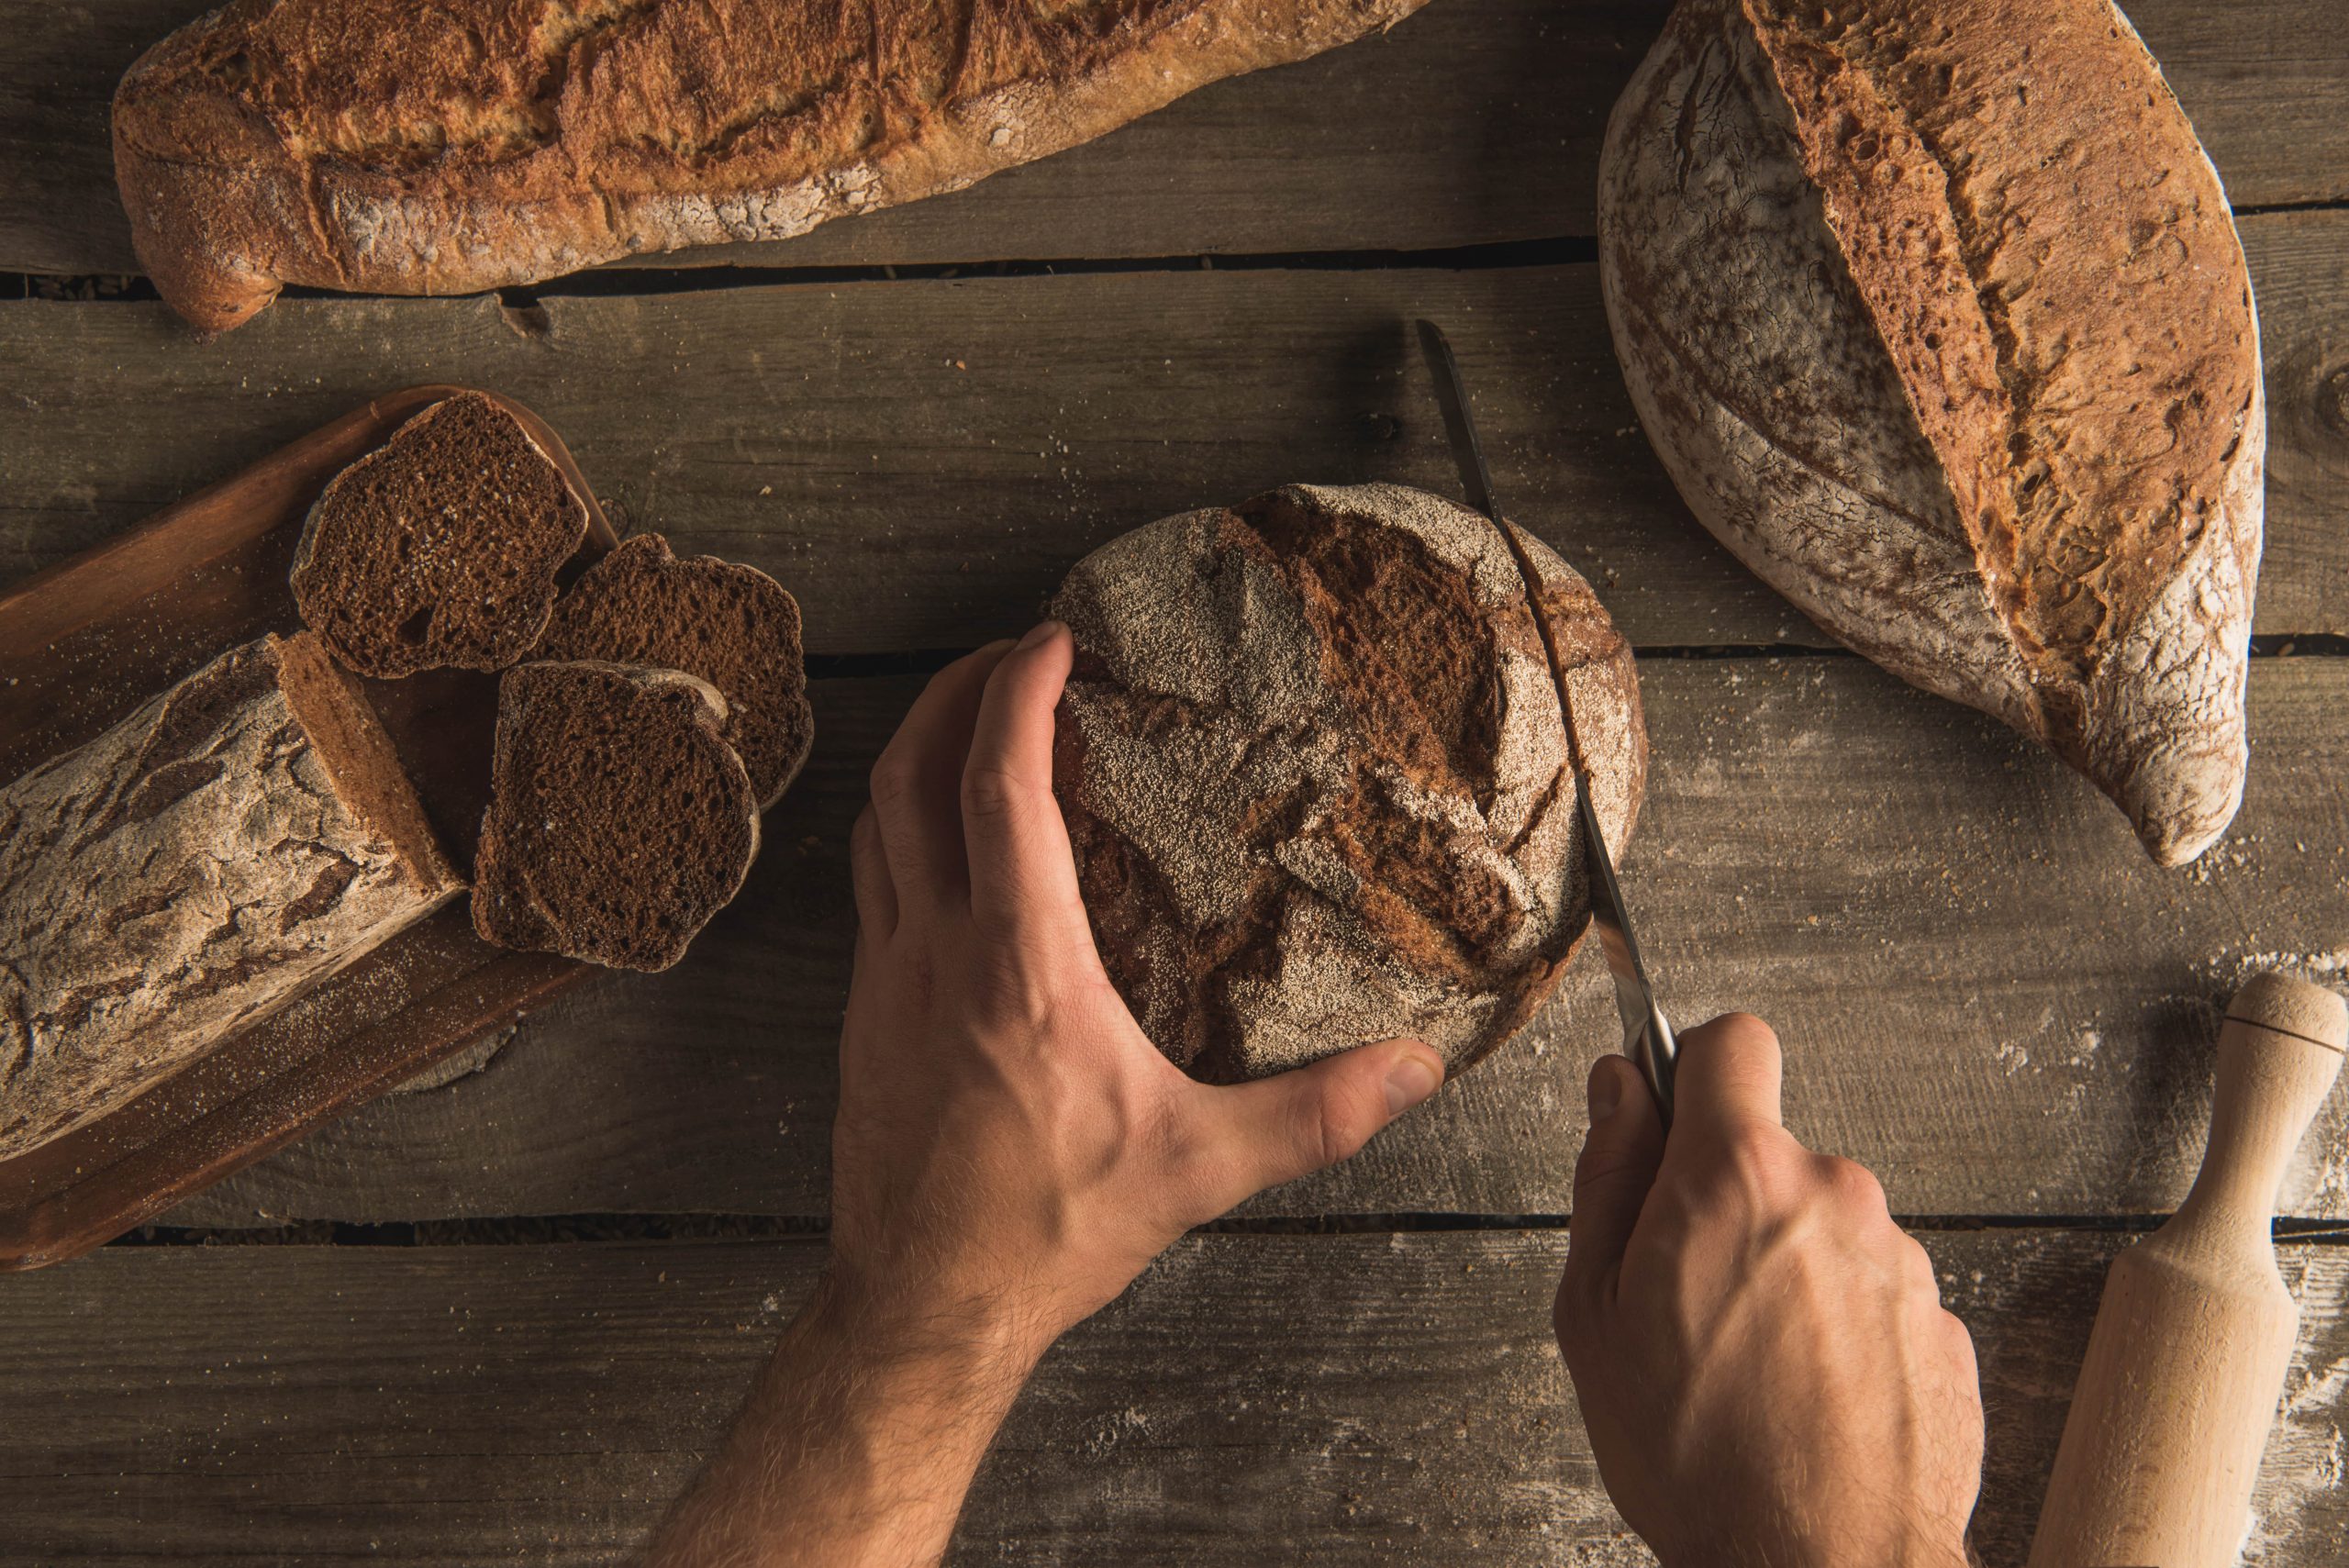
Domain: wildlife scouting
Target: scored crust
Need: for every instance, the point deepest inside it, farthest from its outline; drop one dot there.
(1936, 316)
(729, 623)
(619, 820)
(386, 148)
(1315, 774)
(230, 843)
(439, 548)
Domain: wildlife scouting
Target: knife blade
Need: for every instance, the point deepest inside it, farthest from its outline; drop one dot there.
(1647, 1037)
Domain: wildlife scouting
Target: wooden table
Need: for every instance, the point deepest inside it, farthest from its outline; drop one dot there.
(505, 1318)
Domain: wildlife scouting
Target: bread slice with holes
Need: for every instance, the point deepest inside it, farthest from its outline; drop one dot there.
(731, 625)
(619, 819)
(439, 548)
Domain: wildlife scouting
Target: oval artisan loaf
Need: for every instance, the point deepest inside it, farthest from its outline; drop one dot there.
(389, 148)
(1317, 781)
(1935, 313)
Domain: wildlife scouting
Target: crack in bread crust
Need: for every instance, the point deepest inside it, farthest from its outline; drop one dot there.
(1308, 758)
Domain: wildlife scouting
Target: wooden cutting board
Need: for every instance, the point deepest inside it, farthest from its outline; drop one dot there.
(87, 640)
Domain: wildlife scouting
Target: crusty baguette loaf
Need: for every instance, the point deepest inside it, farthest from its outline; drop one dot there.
(619, 820)
(1936, 312)
(227, 845)
(1315, 774)
(389, 148)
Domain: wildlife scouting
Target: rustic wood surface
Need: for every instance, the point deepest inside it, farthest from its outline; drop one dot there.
(920, 461)
(919, 458)
(1323, 1399)
(1508, 100)
(1988, 994)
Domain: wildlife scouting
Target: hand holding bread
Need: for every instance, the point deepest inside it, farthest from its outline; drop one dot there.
(1076, 1150)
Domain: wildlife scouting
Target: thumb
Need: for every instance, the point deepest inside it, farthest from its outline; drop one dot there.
(1295, 1123)
(1613, 1177)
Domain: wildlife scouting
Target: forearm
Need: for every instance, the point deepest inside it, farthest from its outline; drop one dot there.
(857, 1443)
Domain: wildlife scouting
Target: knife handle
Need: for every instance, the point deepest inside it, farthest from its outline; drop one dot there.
(1657, 1051)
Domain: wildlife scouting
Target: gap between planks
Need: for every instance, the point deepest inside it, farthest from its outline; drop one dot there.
(571, 1229)
(918, 463)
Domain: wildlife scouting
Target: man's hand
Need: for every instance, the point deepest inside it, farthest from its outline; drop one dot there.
(1761, 1355)
(1010, 1149)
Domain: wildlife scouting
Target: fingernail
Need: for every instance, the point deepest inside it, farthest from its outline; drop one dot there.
(1606, 1092)
(1409, 1082)
(1040, 634)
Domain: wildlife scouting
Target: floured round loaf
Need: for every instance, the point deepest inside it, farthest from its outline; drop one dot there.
(1316, 777)
(1935, 313)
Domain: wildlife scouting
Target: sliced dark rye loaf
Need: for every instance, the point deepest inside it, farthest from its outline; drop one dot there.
(439, 548)
(619, 820)
(230, 843)
(731, 625)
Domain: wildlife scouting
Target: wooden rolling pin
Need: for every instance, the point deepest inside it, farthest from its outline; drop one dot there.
(2187, 1360)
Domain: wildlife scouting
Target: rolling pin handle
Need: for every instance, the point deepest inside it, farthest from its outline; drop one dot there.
(2187, 1362)
(2279, 1050)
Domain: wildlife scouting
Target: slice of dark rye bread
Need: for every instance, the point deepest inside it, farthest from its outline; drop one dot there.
(619, 819)
(439, 548)
(731, 625)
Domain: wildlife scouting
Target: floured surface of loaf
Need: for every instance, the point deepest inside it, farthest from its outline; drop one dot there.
(1316, 775)
(1936, 315)
(232, 842)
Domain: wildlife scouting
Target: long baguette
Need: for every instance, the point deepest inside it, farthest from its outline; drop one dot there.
(383, 147)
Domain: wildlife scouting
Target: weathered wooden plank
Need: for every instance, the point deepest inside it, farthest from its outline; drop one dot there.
(1989, 995)
(920, 462)
(1506, 102)
(1294, 1399)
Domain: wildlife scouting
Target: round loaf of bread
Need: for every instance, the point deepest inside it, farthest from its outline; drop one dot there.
(1316, 779)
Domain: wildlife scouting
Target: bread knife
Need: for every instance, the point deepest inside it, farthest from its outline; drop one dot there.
(1647, 1038)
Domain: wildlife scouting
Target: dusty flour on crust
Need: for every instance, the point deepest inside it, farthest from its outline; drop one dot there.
(1315, 772)
(1936, 316)
(227, 845)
